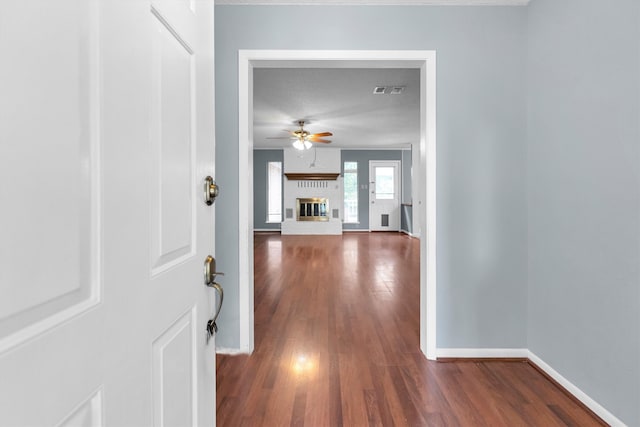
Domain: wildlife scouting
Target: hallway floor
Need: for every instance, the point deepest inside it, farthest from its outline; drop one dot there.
(336, 344)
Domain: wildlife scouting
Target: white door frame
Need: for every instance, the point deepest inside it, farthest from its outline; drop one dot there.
(424, 206)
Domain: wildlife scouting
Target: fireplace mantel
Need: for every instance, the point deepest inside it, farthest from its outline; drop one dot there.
(312, 176)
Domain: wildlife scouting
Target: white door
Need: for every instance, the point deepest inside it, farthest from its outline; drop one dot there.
(106, 134)
(384, 195)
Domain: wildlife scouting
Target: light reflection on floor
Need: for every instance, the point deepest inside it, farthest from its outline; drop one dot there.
(274, 250)
(304, 365)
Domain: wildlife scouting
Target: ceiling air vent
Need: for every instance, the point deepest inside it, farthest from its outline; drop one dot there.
(397, 90)
(379, 90)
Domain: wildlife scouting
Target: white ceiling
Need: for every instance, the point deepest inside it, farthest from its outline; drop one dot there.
(337, 100)
(379, 2)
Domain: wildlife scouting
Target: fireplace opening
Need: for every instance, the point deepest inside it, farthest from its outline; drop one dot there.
(312, 209)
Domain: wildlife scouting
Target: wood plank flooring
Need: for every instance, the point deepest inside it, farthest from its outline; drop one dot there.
(336, 344)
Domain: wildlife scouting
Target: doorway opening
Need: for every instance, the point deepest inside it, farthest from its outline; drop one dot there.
(425, 176)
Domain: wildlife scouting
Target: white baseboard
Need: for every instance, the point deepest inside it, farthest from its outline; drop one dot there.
(508, 353)
(275, 230)
(231, 351)
(480, 353)
(598, 409)
(415, 236)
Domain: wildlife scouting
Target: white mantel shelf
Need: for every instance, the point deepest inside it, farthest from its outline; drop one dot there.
(312, 176)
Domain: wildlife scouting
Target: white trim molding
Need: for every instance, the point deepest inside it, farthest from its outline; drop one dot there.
(483, 353)
(231, 351)
(375, 2)
(424, 205)
(590, 403)
(409, 234)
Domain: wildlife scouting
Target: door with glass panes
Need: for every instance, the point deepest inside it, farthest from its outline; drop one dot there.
(384, 195)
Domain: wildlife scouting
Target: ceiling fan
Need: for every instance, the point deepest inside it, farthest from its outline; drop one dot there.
(302, 138)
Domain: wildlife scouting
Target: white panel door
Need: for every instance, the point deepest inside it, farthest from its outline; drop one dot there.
(106, 135)
(384, 195)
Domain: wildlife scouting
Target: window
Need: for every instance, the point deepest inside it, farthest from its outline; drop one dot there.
(350, 181)
(384, 182)
(274, 192)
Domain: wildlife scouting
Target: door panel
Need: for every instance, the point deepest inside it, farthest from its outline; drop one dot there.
(109, 136)
(384, 196)
(57, 181)
(87, 414)
(175, 374)
(172, 220)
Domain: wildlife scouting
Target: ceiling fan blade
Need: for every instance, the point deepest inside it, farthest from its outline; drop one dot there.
(281, 137)
(291, 133)
(323, 141)
(320, 134)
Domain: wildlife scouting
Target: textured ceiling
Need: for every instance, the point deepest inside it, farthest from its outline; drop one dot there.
(337, 100)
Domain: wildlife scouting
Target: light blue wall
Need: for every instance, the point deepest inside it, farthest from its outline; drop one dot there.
(584, 202)
(406, 176)
(406, 209)
(481, 53)
(362, 157)
(260, 160)
(538, 243)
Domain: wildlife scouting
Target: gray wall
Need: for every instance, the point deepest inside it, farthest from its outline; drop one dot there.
(406, 177)
(584, 204)
(260, 182)
(406, 210)
(481, 53)
(363, 157)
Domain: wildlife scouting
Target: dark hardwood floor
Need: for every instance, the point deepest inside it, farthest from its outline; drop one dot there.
(336, 344)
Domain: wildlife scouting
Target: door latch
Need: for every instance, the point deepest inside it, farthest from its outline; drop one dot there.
(211, 190)
(210, 272)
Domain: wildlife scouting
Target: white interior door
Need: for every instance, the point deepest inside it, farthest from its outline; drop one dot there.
(384, 195)
(105, 138)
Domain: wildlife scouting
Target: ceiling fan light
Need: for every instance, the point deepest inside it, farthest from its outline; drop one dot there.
(307, 144)
(298, 145)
